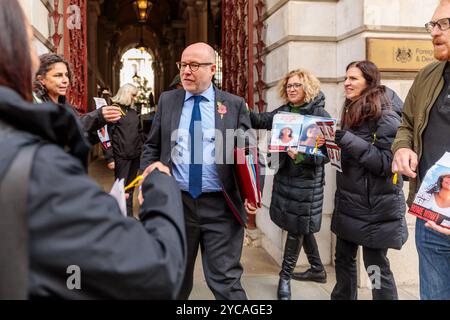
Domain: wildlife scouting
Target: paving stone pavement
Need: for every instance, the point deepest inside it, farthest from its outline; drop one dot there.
(260, 281)
(260, 278)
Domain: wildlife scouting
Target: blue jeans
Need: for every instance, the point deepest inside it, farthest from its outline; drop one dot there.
(434, 262)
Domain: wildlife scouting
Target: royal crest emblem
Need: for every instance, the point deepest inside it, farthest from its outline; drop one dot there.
(403, 55)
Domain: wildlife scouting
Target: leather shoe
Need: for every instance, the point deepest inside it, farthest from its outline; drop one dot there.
(310, 275)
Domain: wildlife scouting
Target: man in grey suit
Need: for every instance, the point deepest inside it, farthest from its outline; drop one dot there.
(196, 118)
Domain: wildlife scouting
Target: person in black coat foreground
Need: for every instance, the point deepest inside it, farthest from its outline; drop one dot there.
(297, 195)
(69, 221)
(369, 208)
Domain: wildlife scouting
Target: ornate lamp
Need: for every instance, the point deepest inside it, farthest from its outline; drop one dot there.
(142, 8)
(136, 77)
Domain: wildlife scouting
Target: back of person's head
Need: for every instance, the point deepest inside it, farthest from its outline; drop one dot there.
(176, 82)
(16, 67)
(368, 105)
(125, 95)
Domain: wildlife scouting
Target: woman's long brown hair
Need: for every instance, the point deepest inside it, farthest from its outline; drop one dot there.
(368, 105)
(15, 61)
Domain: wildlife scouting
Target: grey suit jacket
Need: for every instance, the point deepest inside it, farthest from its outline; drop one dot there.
(159, 146)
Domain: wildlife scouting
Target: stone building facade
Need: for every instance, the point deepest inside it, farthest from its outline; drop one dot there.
(322, 36)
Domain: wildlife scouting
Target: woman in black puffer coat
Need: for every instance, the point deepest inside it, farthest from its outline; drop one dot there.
(369, 208)
(297, 195)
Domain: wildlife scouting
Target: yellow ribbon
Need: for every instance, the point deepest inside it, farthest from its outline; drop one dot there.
(395, 178)
(317, 145)
(134, 182)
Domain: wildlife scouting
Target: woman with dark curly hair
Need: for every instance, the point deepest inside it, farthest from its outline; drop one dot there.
(52, 83)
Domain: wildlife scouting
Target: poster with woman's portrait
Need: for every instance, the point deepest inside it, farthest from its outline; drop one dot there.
(432, 201)
(309, 134)
(286, 129)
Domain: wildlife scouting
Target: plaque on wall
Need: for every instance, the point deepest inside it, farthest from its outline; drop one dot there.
(400, 54)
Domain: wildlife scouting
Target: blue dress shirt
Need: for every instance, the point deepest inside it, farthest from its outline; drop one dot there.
(181, 154)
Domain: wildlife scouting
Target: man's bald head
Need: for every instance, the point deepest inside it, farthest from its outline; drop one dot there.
(203, 49)
(197, 67)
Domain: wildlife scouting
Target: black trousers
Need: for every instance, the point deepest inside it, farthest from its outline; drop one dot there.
(211, 225)
(127, 169)
(312, 252)
(377, 267)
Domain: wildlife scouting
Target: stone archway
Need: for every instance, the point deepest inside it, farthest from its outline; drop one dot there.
(233, 27)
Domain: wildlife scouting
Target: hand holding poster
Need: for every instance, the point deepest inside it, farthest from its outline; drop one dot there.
(118, 193)
(103, 132)
(303, 133)
(328, 128)
(432, 202)
(310, 135)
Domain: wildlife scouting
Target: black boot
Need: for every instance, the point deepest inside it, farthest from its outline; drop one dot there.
(291, 251)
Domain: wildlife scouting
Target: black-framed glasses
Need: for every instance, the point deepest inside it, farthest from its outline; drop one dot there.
(193, 66)
(293, 86)
(443, 25)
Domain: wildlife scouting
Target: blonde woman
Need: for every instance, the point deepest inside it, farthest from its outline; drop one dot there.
(126, 140)
(297, 195)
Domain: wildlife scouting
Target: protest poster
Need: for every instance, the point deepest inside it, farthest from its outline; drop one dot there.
(103, 132)
(432, 202)
(301, 133)
(118, 193)
(328, 129)
(286, 129)
(309, 134)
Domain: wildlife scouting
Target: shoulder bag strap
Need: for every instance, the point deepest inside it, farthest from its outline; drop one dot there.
(14, 227)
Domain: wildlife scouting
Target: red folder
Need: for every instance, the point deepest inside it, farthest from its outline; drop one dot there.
(247, 174)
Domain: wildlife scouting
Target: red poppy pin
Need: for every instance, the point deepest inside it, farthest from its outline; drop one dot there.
(221, 109)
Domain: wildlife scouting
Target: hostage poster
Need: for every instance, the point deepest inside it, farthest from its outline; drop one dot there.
(432, 201)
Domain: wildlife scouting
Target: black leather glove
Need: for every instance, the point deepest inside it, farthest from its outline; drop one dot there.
(338, 135)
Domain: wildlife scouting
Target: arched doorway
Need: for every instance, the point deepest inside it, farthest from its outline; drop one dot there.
(137, 68)
(100, 29)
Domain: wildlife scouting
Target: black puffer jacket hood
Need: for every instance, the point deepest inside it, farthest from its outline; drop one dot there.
(396, 102)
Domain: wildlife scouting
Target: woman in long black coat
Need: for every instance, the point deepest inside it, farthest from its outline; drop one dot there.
(369, 208)
(297, 195)
(127, 138)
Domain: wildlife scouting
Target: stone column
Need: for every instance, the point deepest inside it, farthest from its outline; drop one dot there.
(105, 37)
(93, 12)
(157, 72)
(180, 32)
(201, 8)
(191, 22)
